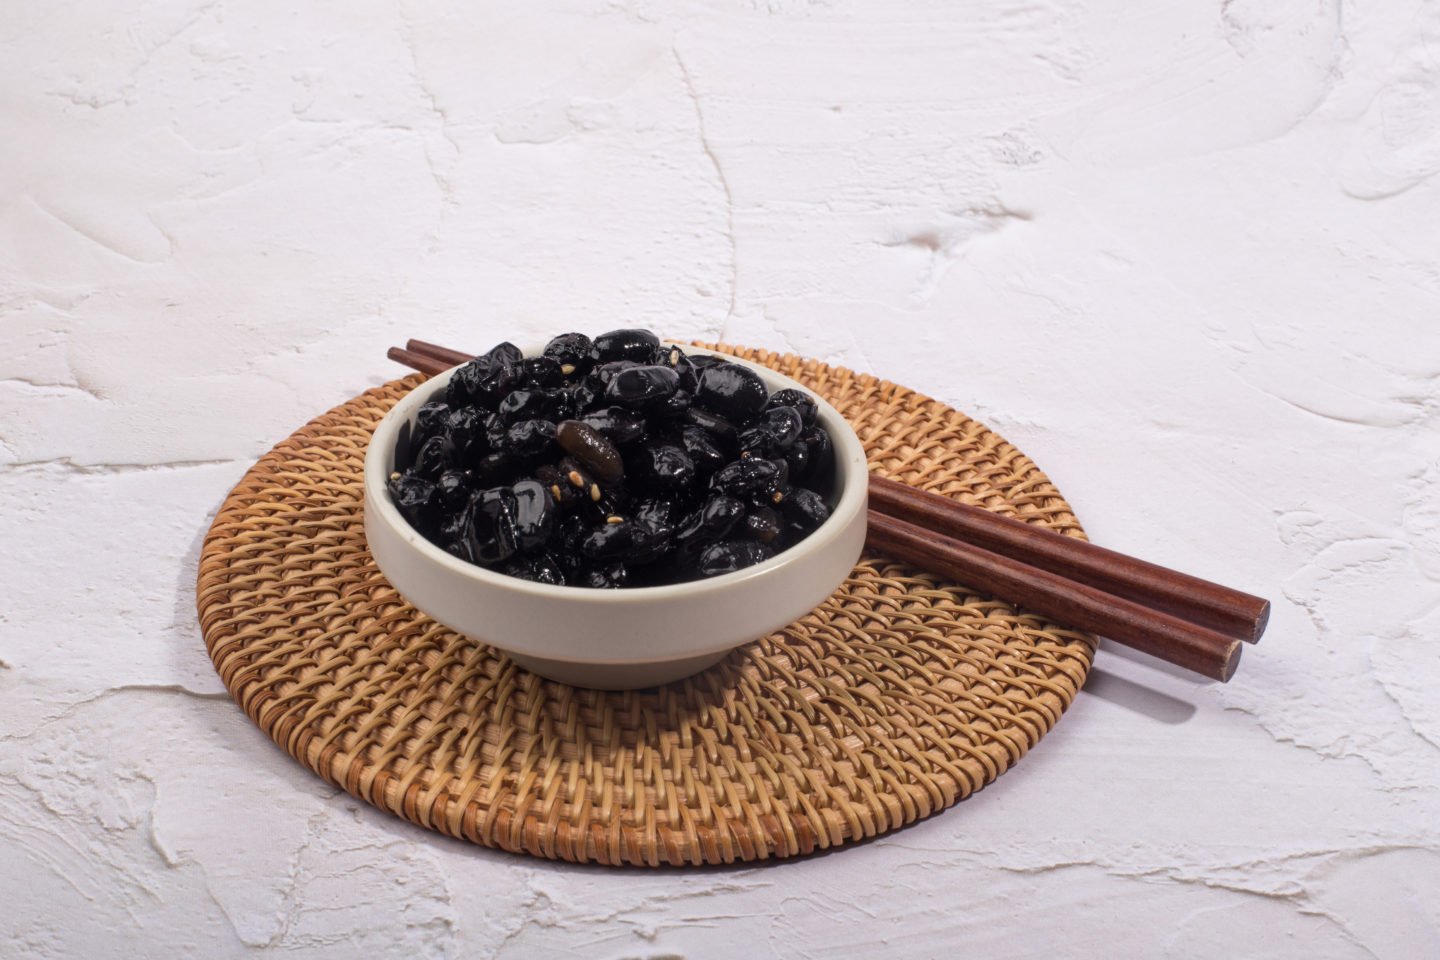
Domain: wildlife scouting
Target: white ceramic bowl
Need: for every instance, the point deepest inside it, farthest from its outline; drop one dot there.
(625, 638)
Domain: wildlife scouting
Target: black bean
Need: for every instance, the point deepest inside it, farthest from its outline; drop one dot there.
(642, 387)
(728, 556)
(467, 434)
(491, 537)
(453, 488)
(487, 378)
(543, 568)
(622, 426)
(430, 420)
(433, 457)
(541, 372)
(704, 452)
(534, 514)
(805, 511)
(417, 500)
(712, 422)
(776, 430)
(572, 350)
(803, 403)
(674, 406)
(610, 541)
(763, 524)
(657, 512)
(714, 520)
(590, 447)
(606, 576)
(530, 438)
(627, 344)
(496, 468)
(750, 475)
(533, 403)
(821, 459)
(731, 390)
(664, 467)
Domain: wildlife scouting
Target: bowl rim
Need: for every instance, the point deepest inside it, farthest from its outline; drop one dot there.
(850, 462)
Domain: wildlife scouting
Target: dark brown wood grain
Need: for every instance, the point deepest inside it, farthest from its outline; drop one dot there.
(1208, 604)
(1168, 637)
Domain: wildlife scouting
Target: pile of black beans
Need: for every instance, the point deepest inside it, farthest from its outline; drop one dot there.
(612, 462)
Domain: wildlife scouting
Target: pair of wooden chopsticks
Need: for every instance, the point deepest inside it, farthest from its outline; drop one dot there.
(1187, 621)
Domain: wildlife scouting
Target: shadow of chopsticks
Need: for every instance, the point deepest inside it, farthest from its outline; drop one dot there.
(1137, 697)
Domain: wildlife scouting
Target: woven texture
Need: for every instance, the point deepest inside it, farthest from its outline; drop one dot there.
(897, 697)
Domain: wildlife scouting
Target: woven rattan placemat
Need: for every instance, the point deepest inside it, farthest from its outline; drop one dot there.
(897, 697)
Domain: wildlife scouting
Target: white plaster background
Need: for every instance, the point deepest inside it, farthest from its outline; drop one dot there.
(1186, 254)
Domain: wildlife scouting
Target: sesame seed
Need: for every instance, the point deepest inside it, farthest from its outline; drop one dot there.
(595, 492)
(674, 356)
(555, 490)
(614, 519)
(778, 497)
(567, 368)
(574, 477)
(395, 475)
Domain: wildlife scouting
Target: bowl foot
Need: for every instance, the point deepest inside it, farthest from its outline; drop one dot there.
(616, 676)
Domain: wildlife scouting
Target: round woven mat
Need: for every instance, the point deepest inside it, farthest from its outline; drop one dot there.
(894, 699)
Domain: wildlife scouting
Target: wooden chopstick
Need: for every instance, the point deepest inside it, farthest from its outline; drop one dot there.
(1184, 620)
(1168, 637)
(1200, 601)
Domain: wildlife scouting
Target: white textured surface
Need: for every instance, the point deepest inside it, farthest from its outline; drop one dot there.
(1183, 253)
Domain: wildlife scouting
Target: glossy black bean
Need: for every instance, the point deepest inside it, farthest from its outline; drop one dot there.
(657, 512)
(731, 390)
(763, 524)
(433, 457)
(492, 525)
(703, 449)
(485, 379)
(535, 514)
(622, 426)
(727, 556)
(541, 372)
(467, 434)
(605, 576)
(530, 438)
(797, 458)
(712, 422)
(821, 460)
(712, 521)
(803, 403)
(532, 403)
(453, 489)
(430, 420)
(417, 499)
(674, 406)
(610, 541)
(773, 433)
(580, 396)
(675, 358)
(495, 468)
(642, 387)
(542, 568)
(747, 476)
(804, 510)
(592, 448)
(629, 344)
(663, 467)
(572, 351)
